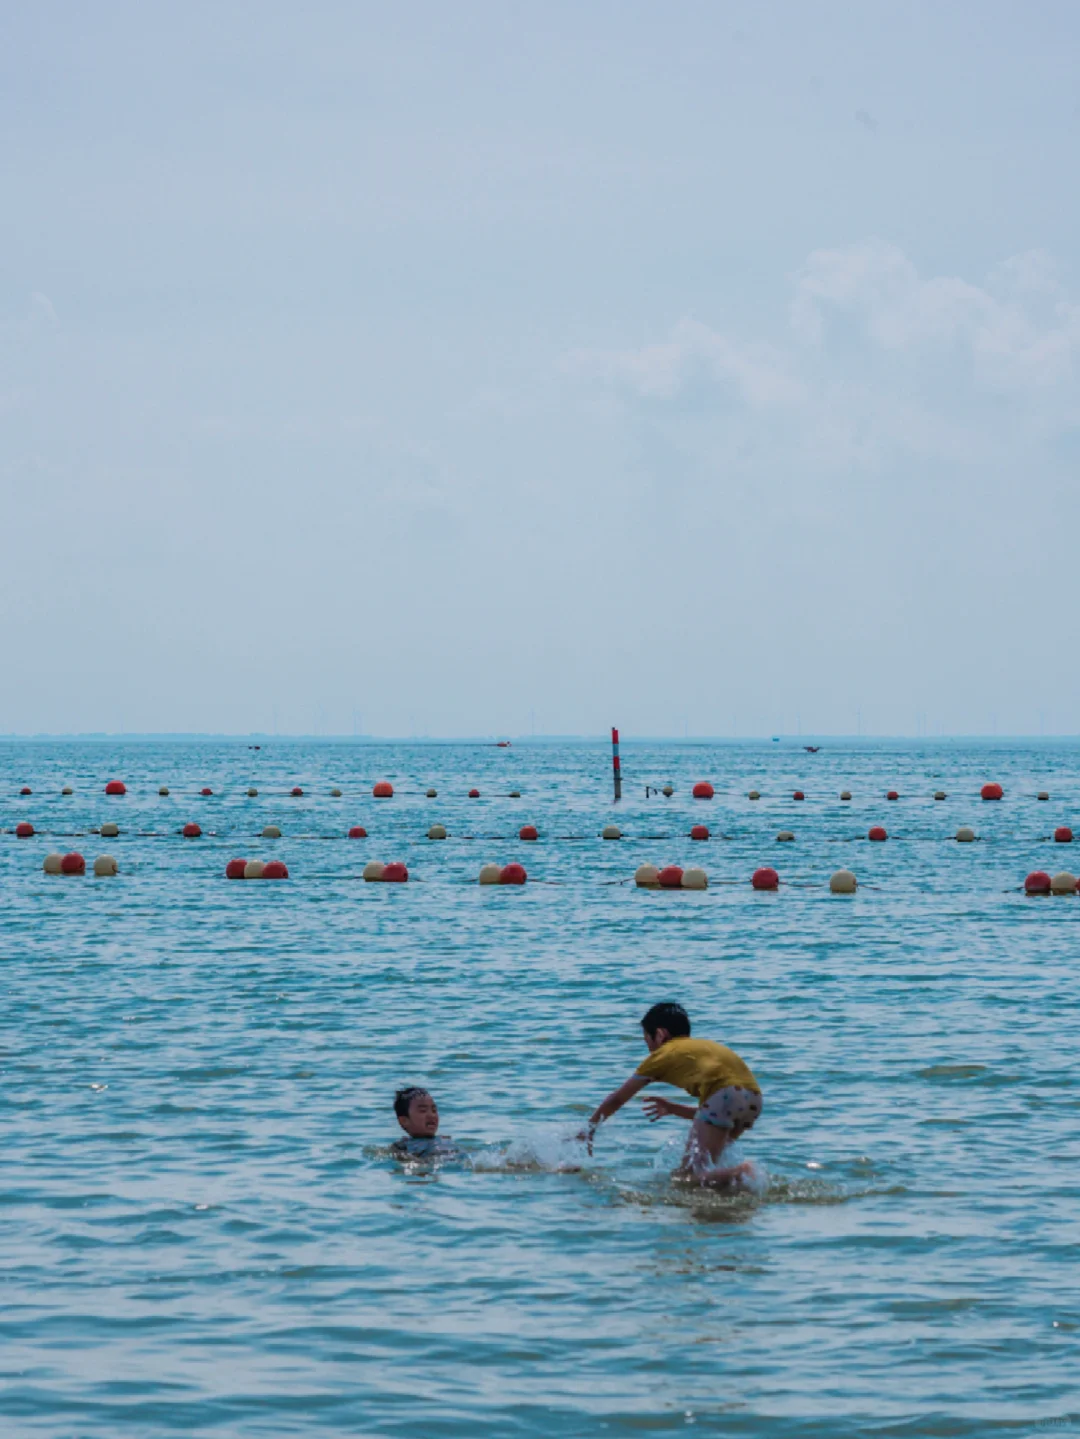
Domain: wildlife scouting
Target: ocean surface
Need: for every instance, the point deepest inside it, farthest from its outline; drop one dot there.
(202, 1230)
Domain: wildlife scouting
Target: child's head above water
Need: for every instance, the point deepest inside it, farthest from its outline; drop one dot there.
(417, 1112)
(664, 1022)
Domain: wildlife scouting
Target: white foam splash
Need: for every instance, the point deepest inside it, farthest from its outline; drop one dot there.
(554, 1151)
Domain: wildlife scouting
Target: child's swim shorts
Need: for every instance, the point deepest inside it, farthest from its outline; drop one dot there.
(733, 1108)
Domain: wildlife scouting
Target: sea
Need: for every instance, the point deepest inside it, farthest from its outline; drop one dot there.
(203, 1230)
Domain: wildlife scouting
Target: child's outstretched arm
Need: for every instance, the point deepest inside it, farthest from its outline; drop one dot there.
(616, 1099)
(656, 1107)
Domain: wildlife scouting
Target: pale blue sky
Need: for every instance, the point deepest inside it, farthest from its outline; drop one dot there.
(464, 367)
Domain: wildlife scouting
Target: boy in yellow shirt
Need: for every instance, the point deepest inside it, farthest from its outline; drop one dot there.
(728, 1095)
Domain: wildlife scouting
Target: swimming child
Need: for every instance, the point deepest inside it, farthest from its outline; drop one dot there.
(418, 1115)
(728, 1095)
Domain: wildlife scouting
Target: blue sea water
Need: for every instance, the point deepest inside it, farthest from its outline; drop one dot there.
(202, 1231)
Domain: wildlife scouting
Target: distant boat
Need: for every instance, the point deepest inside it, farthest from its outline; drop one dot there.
(811, 748)
(503, 744)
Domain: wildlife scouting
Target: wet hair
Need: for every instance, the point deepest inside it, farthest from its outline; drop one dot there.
(404, 1097)
(671, 1017)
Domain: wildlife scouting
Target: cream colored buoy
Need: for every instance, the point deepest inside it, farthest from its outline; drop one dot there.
(1043, 794)
(785, 836)
(67, 790)
(490, 873)
(1063, 883)
(271, 831)
(754, 794)
(611, 831)
(940, 794)
(965, 834)
(433, 794)
(252, 792)
(109, 830)
(373, 870)
(335, 793)
(163, 789)
(254, 869)
(437, 831)
(695, 879)
(515, 794)
(843, 882)
(105, 864)
(845, 794)
(52, 863)
(647, 876)
(668, 790)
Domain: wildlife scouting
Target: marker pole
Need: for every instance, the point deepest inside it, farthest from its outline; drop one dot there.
(615, 762)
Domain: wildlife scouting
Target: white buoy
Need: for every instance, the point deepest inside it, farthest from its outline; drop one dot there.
(668, 790)
(965, 834)
(252, 792)
(785, 836)
(647, 876)
(843, 882)
(163, 789)
(437, 831)
(254, 869)
(271, 831)
(51, 864)
(490, 873)
(105, 864)
(845, 794)
(109, 830)
(695, 879)
(373, 870)
(67, 790)
(1043, 794)
(611, 831)
(940, 794)
(1063, 883)
(754, 794)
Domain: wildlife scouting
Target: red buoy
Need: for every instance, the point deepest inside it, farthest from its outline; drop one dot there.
(275, 870)
(528, 831)
(191, 831)
(877, 832)
(474, 794)
(1063, 834)
(766, 878)
(699, 831)
(24, 830)
(383, 790)
(235, 869)
(798, 794)
(26, 789)
(395, 873)
(116, 786)
(892, 795)
(992, 791)
(206, 790)
(296, 791)
(73, 863)
(703, 790)
(358, 832)
(1037, 882)
(670, 877)
(513, 874)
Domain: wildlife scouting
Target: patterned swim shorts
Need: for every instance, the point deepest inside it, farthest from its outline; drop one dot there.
(733, 1108)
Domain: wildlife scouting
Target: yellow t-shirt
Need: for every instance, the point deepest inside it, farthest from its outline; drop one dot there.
(697, 1065)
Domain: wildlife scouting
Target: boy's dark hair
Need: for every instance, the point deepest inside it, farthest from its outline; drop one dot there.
(671, 1017)
(404, 1098)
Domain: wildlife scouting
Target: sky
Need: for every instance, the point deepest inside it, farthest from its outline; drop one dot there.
(497, 368)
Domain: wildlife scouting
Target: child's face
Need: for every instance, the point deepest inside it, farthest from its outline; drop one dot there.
(422, 1120)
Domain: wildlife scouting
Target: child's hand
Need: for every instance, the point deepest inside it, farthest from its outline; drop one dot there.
(656, 1107)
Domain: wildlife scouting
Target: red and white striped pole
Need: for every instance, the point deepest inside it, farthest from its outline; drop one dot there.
(615, 762)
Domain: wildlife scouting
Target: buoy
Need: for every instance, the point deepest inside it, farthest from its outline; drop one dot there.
(785, 836)
(67, 790)
(335, 793)
(892, 795)
(703, 790)
(24, 830)
(798, 794)
(53, 863)
(235, 869)
(694, 878)
(528, 831)
(940, 794)
(26, 789)
(1062, 835)
(1063, 883)
(670, 877)
(206, 791)
(766, 878)
(611, 831)
(474, 794)
(358, 832)
(490, 873)
(877, 832)
(296, 791)
(754, 794)
(252, 792)
(105, 865)
(844, 794)
(254, 869)
(699, 831)
(1037, 882)
(965, 834)
(395, 873)
(73, 863)
(383, 790)
(843, 882)
(276, 869)
(1043, 794)
(437, 831)
(163, 789)
(992, 791)
(373, 870)
(271, 831)
(513, 874)
(433, 794)
(109, 830)
(191, 831)
(515, 794)
(668, 790)
(647, 876)
(116, 786)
